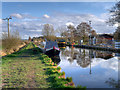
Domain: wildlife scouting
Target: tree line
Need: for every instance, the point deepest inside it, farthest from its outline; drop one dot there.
(69, 33)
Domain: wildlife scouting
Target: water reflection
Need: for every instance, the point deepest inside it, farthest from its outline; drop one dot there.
(55, 59)
(113, 83)
(89, 68)
(84, 56)
(117, 55)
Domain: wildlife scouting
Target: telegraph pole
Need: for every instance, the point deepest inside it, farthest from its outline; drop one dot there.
(8, 25)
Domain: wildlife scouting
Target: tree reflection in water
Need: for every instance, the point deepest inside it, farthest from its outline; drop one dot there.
(56, 59)
(83, 56)
(113, 83)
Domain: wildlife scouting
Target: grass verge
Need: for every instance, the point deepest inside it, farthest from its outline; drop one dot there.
(30, 68)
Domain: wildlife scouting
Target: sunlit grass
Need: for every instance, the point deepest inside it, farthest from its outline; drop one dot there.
(30, 68)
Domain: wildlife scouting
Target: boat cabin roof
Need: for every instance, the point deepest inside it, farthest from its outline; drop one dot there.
(50, 44)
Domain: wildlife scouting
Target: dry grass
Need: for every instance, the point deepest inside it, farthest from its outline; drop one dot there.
(11, 42)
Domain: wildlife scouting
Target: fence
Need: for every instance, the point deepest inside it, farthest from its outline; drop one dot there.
(117, 45)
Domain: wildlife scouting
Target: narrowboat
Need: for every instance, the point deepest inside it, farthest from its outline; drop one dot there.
(51, 48)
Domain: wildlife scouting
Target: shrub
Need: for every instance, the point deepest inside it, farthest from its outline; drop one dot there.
(63, 73)
(58, 68)
(55, 64)
(69, 79)
(10, 42)
(26, 42)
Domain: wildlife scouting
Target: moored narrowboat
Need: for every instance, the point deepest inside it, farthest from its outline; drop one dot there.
(51, 48)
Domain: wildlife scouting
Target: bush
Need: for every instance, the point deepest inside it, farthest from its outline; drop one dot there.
(69, 79)
(63, 73)
(58, 68)
(10, 42)
(55, 64)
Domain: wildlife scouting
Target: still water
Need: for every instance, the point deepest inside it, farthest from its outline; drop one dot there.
(90, 68)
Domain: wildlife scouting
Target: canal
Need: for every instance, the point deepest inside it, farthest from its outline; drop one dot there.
(90, 68)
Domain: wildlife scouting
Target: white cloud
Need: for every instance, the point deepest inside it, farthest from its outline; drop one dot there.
(46, 16)
(69, 23)
(35, 30)
(105, 16)
(111, 63)
(26, 36)
(116, 25)
(34, 26)
(0, 21)
(98, 23)
(24, 16)
(17, 15)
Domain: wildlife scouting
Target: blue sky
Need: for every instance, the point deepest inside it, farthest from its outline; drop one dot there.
(40, 8)
(31, 16)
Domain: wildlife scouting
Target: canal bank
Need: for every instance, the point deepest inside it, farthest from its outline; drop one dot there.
(30, 68)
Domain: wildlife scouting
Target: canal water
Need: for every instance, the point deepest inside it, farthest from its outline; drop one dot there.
(90, 68)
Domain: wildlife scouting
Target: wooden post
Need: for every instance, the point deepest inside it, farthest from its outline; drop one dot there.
(90, 40)
(8, 28)
(8, 24)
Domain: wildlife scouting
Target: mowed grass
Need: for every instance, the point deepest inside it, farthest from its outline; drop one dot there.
(24, 69)
(30, 68)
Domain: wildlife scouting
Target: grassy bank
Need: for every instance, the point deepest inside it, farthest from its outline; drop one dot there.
(24, 69)
(30, 68)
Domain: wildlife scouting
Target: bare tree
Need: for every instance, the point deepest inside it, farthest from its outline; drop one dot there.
(62, 30)
(71, 30)
(114, 83)
(93, 33)
(48, 32)
(83, 30)
(115, 14)
(115, 19)
(117, 34)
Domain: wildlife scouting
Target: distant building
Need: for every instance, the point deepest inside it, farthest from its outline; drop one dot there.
(117, 44)
(104, 55)
(92, 38)
(104, 39)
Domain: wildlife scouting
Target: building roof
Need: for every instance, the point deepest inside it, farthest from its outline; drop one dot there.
(106, 35)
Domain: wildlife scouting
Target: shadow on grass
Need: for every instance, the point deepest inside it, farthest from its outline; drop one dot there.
(23, 53)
